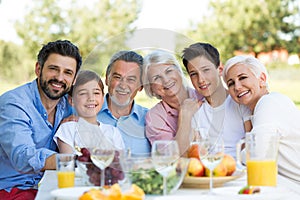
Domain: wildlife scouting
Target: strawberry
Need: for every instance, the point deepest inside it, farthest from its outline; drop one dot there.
(249, 190)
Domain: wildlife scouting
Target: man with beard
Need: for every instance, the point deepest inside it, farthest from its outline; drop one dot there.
(123, 78)
(29, 117)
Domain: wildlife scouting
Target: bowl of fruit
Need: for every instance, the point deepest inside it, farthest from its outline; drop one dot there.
(198, 175)
(141, 171)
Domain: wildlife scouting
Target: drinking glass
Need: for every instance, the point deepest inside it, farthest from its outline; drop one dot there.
(127, 164)
(86, 135)
(260, 155)
(211, 152)
(101, 150)
(165, 155)
(65, 167)
(102, 158)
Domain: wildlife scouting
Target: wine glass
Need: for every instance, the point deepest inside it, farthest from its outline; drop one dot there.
(101, 150)
(86, 135)
(102, 158)
(127, 164)
(165, 155)
(211, 152)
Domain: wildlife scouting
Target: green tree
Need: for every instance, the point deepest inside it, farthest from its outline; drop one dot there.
(250, 26)
(86, 25)
(15, 66)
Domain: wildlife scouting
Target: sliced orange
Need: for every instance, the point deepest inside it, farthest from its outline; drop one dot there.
(135, 193)
(114, 193)
(92, 194)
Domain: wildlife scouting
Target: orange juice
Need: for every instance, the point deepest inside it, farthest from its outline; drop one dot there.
(65, 179)
(262, 172)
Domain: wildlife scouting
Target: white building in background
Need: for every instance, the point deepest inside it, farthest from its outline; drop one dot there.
(293, 59)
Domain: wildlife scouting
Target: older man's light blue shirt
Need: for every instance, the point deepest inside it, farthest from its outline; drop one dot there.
(26, 136)
(132, 127)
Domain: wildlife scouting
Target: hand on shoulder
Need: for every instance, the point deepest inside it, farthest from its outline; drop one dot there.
(70, 118)
(190, 106)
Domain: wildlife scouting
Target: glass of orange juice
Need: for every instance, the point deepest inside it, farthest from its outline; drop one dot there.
(65, 167)
(261, 172)
(261, 151)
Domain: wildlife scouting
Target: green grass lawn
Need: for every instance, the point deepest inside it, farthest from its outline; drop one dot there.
(286, 81)
(289, 88)
(6, 86)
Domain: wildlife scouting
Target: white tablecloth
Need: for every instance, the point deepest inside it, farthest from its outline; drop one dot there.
(285, 189)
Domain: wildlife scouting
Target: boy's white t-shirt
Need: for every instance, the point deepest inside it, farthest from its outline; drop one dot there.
(67, 132)
(227, 119)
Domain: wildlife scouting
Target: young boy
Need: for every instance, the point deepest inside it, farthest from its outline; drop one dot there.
(87, 97)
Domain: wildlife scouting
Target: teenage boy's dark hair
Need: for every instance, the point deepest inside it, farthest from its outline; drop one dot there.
(201, 49)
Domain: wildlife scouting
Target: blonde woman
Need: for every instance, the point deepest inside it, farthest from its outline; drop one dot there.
(247, 81)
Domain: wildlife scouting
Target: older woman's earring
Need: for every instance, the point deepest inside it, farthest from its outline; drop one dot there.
(263, 84)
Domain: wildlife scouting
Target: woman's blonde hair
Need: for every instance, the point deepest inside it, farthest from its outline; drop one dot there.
(248, 61)
(159, 57)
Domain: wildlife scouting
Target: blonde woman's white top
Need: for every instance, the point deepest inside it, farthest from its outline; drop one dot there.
(227, 119)
(278, 111)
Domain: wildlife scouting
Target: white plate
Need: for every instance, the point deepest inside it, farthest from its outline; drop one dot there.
(203, 182)
(69, 193)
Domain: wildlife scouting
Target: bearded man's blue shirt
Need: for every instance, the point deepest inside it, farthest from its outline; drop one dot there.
(26, 136)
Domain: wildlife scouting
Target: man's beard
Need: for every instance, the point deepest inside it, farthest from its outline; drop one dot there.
(52, 95)
(117, 102)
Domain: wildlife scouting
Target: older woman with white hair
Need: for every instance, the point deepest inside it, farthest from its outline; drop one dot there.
(246, 78)
(163, 79)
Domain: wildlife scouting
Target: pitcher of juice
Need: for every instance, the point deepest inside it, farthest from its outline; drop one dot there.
(260, 155)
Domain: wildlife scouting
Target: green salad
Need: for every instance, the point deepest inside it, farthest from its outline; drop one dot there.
(152, 182)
